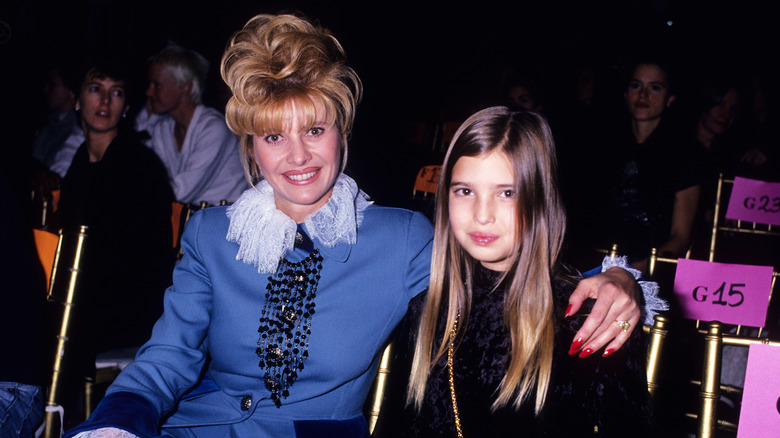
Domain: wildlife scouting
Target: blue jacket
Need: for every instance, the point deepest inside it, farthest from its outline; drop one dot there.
(199, 371)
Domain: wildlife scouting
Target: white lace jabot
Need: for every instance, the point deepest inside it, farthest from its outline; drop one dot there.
(265, 234)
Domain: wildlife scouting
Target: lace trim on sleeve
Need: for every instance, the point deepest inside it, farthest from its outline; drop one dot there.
(106, 432)
(653, 303)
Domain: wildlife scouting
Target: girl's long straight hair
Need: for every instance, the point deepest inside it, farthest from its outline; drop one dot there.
(526, 140)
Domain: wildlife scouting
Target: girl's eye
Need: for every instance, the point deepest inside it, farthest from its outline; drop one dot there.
(463, 191)
(656, 88)
(94, 89)
(315, 131)
(508, 193)
(119, 93)
(634, 85)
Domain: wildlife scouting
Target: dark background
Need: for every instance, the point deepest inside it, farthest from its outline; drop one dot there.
(419, 62)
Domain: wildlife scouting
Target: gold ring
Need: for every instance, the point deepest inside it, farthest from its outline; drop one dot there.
(624, 325)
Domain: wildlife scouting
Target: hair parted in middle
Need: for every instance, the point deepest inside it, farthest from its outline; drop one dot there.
(277, 62)
(525, 138)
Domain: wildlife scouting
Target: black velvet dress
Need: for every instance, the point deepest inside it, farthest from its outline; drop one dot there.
(125, 200)
(593, 396)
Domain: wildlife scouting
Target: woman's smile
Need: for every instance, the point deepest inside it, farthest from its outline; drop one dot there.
(304, 176)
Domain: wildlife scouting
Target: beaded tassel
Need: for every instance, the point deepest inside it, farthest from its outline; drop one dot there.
(285, 323)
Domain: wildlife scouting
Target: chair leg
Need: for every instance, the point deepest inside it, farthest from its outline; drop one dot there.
(657, 336)
(53, 421)
(89, 386)
(710, 385)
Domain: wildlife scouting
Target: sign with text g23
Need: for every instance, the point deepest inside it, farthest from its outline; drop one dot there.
(754, 201)
(729, 293)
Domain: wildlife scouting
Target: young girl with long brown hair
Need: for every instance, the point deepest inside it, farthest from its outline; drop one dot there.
(487, 350)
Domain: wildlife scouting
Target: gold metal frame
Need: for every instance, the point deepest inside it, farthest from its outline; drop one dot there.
(54, 425)
(741, 226)
(380, 383)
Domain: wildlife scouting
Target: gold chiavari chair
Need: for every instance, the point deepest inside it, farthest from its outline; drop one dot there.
(714, 335)
(715, 338)
(62, 291)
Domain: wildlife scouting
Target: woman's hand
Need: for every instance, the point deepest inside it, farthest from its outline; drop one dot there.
(616, 292)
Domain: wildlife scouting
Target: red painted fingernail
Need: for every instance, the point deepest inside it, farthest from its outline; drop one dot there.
(568, 309)
(586, 352)
(575, 346)
(607, 352)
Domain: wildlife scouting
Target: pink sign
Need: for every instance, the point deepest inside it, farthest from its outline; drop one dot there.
(754, 201)
(729, 293)
(760, 413)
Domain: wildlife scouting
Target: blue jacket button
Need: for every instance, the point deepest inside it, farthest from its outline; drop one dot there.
(246, 402)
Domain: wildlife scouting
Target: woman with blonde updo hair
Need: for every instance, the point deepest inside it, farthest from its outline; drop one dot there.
(276, 61)
(282, 302)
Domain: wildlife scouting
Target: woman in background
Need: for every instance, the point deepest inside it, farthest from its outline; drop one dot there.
(119, 189)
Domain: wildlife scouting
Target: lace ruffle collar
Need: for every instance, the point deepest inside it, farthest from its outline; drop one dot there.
(265, 234)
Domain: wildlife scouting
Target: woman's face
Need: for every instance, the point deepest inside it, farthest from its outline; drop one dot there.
(648, 95)
(301, 164)
(483, 208)
(718, 119)
(102, 104)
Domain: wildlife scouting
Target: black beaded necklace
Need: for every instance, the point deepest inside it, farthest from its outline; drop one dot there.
(285, 323)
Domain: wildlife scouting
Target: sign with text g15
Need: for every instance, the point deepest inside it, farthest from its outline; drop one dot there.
(754, 201)
(729, 293)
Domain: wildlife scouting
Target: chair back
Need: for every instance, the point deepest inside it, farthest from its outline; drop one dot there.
(176, 220)
(426, 181)
(721, 225)
(715, 336)
(47, 244)
(180, 215)
(62, 291)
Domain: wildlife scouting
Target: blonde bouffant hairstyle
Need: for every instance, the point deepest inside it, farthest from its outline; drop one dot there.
(525, 139)
(277, 62)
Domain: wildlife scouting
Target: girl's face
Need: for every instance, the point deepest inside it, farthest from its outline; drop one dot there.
(483, 208)
(102, 104)
(301, 164)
